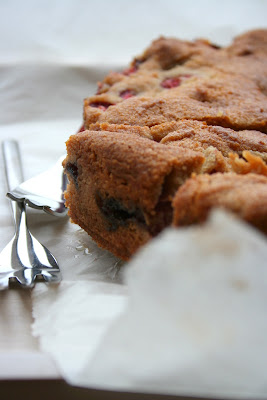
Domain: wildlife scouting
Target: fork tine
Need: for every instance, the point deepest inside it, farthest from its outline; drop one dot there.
(52, 277)
(44, 191)
(25, 277)
(4, 282)
(45, 257)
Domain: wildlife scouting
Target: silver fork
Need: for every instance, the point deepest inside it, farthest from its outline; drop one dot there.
(24, 258)
(44, 191)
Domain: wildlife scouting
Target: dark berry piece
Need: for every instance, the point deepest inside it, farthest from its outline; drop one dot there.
(72, 169)
(116, 213)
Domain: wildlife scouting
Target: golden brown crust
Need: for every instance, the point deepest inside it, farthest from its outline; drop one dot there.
(252, 43)
(225, 87)
(142, 131)
(245, 195)
(222, 147)
(229, 101)
(197, 135)
(248, 163)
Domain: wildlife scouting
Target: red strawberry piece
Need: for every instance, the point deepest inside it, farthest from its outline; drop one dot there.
(82, 128)
(102, 105)
(99, 87)
(130, 70)
(170, 83)
(133, 68)
(126, 94)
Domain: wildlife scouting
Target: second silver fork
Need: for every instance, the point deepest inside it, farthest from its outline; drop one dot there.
(23, 258)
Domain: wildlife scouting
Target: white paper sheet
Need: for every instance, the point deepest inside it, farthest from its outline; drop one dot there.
(191, 319)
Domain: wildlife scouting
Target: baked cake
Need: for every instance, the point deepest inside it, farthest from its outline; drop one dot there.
(181, 131)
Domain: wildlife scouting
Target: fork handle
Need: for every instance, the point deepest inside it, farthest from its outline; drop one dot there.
(13, 169)
(13, 165)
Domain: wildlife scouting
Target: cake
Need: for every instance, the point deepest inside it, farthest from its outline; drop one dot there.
(182, 130)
